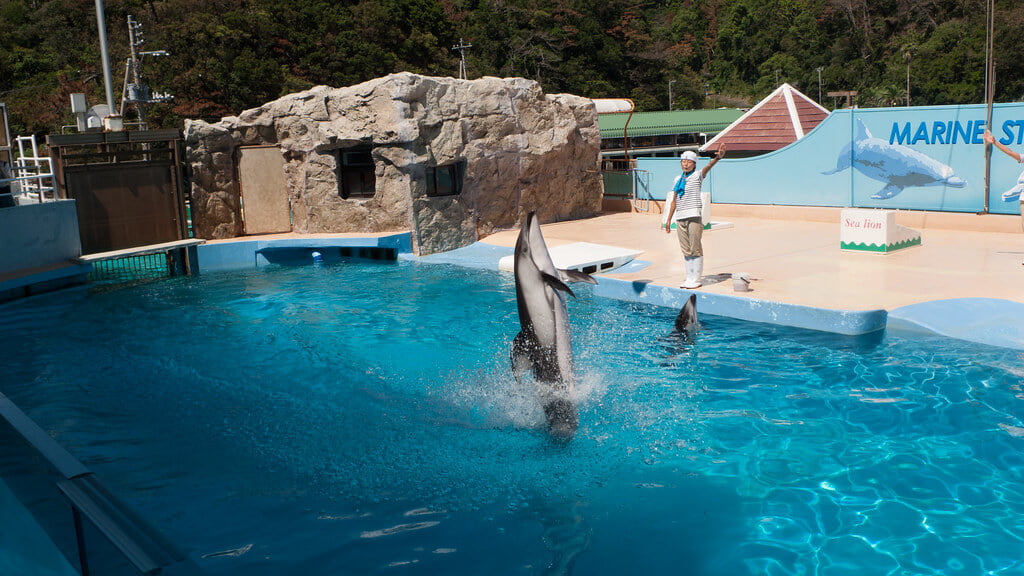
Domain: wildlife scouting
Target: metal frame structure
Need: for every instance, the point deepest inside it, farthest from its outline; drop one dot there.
(128, 186)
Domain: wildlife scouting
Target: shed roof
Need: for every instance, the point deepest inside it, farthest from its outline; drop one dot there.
(667, 122)
(780, 119)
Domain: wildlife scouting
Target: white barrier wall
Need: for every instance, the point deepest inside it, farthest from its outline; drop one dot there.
(917, 158)
(38, 235)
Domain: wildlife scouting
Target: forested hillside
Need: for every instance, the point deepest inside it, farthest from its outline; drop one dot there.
(230, 55)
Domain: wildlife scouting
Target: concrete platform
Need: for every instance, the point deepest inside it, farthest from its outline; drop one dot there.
(793, 256)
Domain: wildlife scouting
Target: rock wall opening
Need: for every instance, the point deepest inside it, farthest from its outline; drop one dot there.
(356, 172)
(445, 180)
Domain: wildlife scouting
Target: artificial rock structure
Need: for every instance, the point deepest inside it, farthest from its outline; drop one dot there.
(451, 160)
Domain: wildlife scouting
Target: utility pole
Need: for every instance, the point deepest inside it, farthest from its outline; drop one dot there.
(670, 94)
(461, 48)
(819, 84)
(137, 92)
(907, 56)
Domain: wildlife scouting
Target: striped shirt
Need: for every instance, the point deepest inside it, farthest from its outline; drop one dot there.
(688, 204)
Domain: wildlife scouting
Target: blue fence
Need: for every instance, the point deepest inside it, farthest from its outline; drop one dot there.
(920, 158)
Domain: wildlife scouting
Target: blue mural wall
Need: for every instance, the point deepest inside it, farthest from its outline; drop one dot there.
(919, 158)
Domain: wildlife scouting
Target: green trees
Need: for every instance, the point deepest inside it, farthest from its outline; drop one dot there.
(231, 55)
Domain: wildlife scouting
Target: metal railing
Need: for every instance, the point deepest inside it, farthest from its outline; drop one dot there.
(642, 190)
(31, 176)
(140, 548)
(623, 180)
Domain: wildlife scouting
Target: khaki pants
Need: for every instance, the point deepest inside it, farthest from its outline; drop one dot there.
(689, 232)
(1022, 215)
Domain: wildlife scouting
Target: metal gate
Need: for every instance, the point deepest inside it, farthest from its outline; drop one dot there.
(127, 186)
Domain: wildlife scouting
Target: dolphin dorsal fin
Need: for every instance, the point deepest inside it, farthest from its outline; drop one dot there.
(556, 283)
(575, 276)
(862, 131)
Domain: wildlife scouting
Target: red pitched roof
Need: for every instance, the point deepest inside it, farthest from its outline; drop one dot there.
(776, 121)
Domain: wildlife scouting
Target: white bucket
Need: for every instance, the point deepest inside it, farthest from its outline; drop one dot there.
(741, 282)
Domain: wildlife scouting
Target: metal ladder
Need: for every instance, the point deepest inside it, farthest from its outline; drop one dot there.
(33, 172)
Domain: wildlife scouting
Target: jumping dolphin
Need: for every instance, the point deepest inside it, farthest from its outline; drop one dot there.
(896, 165)
(543, 344)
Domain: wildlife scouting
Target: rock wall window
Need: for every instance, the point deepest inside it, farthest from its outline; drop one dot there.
(355, 172)
(446, 180)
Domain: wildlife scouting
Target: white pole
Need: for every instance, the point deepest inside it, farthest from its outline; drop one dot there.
(990, 88)
(107, 81)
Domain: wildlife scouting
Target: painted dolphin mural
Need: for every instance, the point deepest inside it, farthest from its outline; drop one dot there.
(544, 344)
(1014, 193)
(895, 165)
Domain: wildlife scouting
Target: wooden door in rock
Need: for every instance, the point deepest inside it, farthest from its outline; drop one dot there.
(265, 208)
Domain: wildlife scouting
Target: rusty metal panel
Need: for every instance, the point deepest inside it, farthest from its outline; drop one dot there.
(124, 205)
(264, 194)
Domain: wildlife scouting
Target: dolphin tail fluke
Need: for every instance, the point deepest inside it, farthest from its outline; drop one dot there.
(563, 419)
(576, 276)
(556, 283)
(888, 192)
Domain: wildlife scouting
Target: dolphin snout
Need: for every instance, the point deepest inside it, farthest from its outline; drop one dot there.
(956, 182)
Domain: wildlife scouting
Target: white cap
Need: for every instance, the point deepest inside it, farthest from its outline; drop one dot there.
(689, 155)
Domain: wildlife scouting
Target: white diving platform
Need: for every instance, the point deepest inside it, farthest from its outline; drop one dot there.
(142, 250)
(582, 256)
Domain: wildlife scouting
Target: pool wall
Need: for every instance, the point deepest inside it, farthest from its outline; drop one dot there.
(42, 239)
(983, 320)
(230, 255)
(233, 255)
(840, 321)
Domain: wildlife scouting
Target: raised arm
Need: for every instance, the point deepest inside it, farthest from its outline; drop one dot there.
(718, 156)
(988, 137)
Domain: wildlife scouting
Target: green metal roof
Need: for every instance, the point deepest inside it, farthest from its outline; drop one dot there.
(667, 122)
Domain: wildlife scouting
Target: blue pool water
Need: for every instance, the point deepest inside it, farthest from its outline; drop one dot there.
(362, 418)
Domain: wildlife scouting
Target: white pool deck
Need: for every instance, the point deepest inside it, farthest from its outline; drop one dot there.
(792, 256)
(965, 279)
